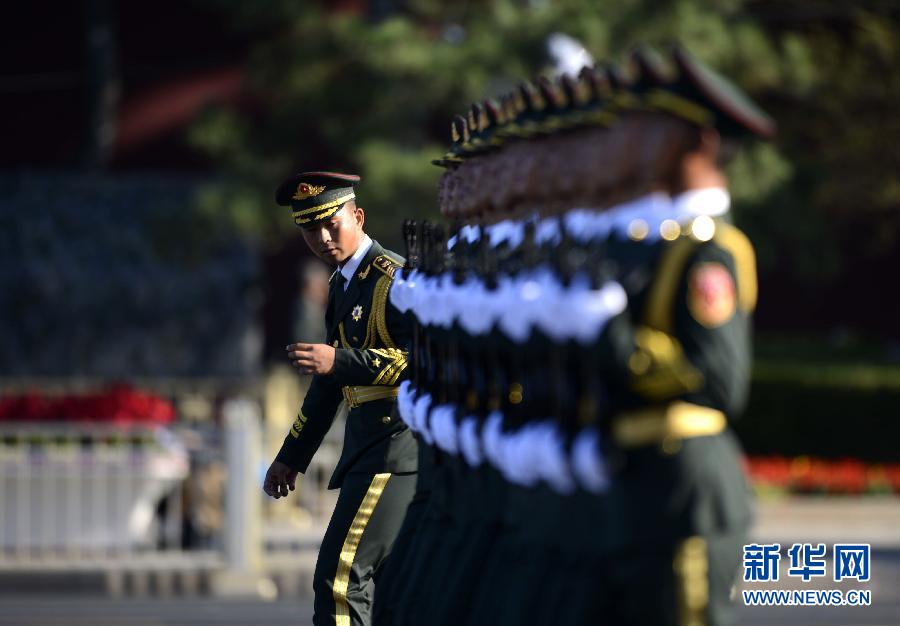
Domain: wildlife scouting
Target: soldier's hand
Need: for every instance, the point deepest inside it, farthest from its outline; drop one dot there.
(280, 480)
(312, 358)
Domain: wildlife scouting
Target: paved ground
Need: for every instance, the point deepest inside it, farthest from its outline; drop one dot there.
(60, 611)
(53, 603)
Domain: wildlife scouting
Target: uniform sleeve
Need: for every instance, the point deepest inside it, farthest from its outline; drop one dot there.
(377, 366)
(374, 366)
(309, 429)
(692, 341)
(713, 322)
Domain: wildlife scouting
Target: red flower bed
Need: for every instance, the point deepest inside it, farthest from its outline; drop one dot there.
(810, 475)
(118, 405)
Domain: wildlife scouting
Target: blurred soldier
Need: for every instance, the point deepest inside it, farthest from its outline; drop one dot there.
(679, 505)
(654, 536)
(361, 363)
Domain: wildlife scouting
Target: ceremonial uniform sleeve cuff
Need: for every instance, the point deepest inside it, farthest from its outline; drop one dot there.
(343, 366)
(286, 456)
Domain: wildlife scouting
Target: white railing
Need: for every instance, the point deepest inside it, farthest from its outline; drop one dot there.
(115, 499)
(88, 490)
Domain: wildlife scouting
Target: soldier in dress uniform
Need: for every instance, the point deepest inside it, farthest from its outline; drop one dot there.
(679, 504)
(362, 363)
(652, 534)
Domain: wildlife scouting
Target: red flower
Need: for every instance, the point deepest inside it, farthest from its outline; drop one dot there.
(120, 405)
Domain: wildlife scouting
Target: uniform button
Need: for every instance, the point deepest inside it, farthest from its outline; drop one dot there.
(386, 419)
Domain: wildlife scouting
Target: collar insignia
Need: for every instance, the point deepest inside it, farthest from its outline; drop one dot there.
(362, 275)
(305, 190)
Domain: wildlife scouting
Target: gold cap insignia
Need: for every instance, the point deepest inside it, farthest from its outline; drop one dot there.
(305, 190)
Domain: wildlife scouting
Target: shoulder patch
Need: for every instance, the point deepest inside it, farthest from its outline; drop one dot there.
(711, 295)
(385, 264)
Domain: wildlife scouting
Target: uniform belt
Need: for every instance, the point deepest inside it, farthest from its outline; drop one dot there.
(356, 396)
(677, 420)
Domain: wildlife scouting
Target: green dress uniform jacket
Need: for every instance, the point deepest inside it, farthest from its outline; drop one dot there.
(683, 356)
(371, 339)
(679, 505)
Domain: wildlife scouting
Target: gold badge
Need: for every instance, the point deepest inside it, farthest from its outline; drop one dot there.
(376, 362)
(712, 295)
(305, 190)
(362, 275)
(356, 313)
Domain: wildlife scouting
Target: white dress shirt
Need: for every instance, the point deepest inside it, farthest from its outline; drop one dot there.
(352, 264)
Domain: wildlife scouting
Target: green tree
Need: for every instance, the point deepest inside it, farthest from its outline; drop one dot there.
(375, 96)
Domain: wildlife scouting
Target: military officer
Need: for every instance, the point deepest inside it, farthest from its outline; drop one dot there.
(362, 363)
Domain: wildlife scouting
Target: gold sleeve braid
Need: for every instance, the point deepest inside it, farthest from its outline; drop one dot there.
(298, 425)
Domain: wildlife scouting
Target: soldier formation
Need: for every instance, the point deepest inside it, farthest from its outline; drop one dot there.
(581, 339)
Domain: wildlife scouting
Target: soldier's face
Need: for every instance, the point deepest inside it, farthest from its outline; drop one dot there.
(336, 239)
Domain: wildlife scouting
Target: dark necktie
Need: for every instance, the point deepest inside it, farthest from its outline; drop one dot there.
(335, 293)
(339, 283)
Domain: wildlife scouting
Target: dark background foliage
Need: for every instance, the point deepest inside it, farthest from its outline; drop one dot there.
(201, 108)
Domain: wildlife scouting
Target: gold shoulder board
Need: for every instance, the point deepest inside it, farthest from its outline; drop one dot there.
(385, 264)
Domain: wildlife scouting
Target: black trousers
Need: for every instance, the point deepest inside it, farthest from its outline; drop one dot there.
(368, 515)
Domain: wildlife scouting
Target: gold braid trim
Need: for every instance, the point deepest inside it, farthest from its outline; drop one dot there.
(366, 341)
(389, 353)
(351, 544)
(326, 205)
(298, 425)
(399, 371)
(390, 374)
(379, 309)
(300, 221)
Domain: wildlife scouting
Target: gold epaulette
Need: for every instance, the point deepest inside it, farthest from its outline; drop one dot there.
(386, 265)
